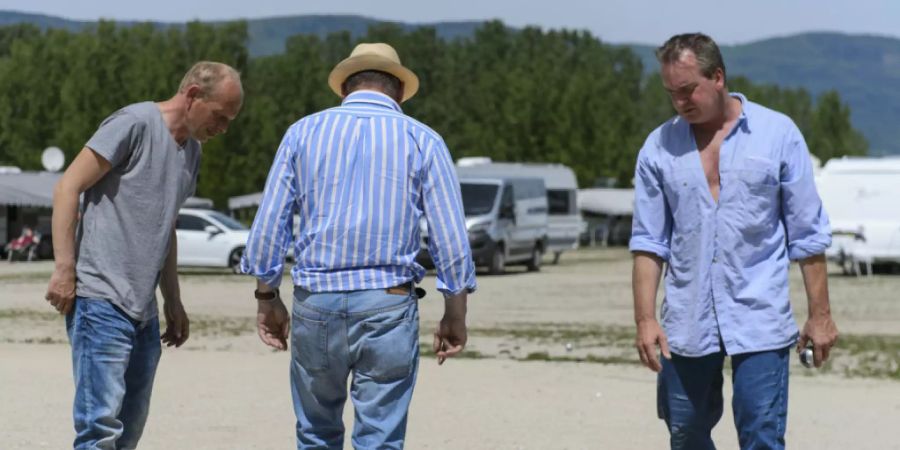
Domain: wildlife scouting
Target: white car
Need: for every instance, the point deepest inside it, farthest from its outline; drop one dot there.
(208, 238)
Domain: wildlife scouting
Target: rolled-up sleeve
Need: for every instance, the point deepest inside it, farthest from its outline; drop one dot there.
(806, 223)
(651, 226)
(448, 240)
(271, 233)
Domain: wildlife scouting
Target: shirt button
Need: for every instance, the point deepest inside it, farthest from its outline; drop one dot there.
(715, 259)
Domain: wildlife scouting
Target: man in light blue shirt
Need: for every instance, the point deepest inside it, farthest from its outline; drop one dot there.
(359, 177)
(724, 193)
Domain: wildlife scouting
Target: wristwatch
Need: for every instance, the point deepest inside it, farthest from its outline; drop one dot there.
(271, 295)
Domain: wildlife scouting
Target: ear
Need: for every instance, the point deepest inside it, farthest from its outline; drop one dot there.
(344, 91)
(399, 98)
(192, 93)
(719, 78)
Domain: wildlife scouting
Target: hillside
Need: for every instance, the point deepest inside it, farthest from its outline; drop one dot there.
(865, 70)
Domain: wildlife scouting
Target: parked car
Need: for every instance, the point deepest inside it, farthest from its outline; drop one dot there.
(208, 238)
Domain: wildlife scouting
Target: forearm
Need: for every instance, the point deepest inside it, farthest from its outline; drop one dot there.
(168, 277)
(262, 287)
(645, 282)
(456, 306)
(63, 223)
(815, 280)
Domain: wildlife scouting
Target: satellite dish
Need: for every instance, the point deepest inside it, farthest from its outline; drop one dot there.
(53, 159)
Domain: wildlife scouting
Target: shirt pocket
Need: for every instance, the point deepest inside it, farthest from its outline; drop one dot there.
(683, 196)
(758, 188)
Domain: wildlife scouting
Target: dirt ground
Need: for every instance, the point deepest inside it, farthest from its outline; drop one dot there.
(550, 365)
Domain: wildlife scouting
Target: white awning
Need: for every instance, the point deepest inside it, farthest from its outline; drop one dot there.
(611, 202)
(28, 189)
(244, 201)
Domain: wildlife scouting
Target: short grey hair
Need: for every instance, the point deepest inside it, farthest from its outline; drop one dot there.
(704, 48)
(208, 75)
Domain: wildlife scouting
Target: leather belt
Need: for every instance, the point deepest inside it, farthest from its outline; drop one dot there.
(405, 289)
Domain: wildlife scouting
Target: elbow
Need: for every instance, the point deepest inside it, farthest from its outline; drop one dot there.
(63, 191)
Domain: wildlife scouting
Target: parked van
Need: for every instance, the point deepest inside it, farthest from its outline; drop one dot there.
(506, 219)
(565, 223)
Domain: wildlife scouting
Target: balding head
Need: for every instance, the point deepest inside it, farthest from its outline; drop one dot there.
(209, 77)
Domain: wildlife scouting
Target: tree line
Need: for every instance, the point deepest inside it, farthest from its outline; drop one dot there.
(513, 95)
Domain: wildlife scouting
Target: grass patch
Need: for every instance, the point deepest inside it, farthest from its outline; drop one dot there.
(426, 352)
(30, 314)
(554, 333)
(869, 356)
(218, 326)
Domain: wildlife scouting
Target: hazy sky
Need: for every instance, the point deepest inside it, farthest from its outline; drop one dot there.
(638, 21)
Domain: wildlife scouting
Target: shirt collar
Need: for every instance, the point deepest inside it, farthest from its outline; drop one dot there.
(743, 119)
(371, 98)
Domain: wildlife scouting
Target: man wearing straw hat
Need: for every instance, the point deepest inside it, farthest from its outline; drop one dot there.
(359, 177)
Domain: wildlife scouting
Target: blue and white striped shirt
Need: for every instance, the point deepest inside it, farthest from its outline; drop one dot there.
(359, 177)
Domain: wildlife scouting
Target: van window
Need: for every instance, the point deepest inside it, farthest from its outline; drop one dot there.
(478, 199)
(507, 199)
(528, 188)
(562, 201)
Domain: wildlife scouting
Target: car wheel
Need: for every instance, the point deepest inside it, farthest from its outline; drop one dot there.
(498, 261)
(234, 260)
(537, 255)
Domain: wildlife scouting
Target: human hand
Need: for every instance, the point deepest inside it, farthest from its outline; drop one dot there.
(61, 290)
(177, 324)
(273, 323)
(649, 336)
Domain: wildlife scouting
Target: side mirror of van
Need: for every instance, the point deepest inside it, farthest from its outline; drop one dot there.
(507, 212)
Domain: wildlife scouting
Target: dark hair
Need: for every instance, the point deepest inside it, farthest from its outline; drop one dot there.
(702, 46)
(388, 83)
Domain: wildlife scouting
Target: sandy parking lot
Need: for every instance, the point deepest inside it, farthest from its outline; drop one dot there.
(517, 388)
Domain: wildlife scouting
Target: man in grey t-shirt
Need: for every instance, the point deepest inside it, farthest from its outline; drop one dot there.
(135, 173)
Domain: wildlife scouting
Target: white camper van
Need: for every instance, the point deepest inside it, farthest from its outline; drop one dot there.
(860, 196)
(564, 220)
(506, 219)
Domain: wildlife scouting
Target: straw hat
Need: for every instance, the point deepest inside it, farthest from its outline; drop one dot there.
(377, 56)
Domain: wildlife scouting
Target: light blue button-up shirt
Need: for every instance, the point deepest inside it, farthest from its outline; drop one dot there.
(727, 272)
(359, 178)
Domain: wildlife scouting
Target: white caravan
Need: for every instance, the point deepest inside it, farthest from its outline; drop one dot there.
(860, 196)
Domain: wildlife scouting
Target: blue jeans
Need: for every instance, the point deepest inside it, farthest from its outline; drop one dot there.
(114, 360)
(371, 334)
(689, 398)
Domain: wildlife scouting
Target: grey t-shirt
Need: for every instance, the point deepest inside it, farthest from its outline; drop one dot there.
(127, 217)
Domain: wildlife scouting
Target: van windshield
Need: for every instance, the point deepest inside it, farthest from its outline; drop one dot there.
(478, 199)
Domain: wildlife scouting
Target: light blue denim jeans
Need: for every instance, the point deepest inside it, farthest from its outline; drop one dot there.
(690, 399)
(114, 360)
(370, 334)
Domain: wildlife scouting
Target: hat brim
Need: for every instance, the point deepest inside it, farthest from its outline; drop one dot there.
(356, 64)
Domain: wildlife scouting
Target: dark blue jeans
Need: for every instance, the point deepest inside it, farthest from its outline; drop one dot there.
(114, 360)
(689, 398)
